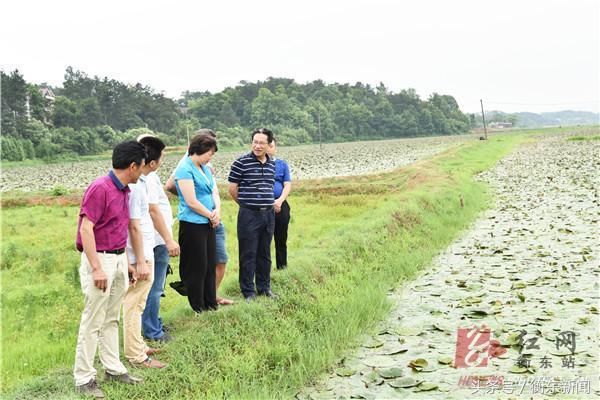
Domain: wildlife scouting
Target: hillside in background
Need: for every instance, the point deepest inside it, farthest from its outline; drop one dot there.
(88, 115)
(539, 120)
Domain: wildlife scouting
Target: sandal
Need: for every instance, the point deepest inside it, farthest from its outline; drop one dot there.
(152, 351)
(224, 302)
(151, 363)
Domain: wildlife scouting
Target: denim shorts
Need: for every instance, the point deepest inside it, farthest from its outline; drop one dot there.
(220, 242)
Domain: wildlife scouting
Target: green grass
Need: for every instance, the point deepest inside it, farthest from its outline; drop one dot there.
(584, 138)
(349, 244)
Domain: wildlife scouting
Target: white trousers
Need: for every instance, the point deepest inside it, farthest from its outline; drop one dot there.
(99, 327)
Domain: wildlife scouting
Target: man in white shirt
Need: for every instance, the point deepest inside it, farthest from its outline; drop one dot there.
(140, 245)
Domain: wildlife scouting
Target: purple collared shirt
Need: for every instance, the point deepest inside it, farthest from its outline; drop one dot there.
(106, 204)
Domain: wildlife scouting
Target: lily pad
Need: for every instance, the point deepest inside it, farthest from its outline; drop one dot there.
(372, 343)
(404, 382)
(372, 378)
(515, 369)
(426, 386)
(393, 349)
(389, 373)
(575, 300)
(379, 361)
(345, 371)
(445, 360)
(419, 364)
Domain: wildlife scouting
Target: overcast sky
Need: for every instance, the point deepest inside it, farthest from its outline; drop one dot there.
(516, 55)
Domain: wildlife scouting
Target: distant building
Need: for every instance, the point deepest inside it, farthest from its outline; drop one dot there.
(501, 125)
(48, 94)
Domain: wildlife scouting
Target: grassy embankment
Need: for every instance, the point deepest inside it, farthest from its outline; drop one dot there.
(351, 240)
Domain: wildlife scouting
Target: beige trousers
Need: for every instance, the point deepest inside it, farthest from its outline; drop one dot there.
(99, 327)
(133, 308)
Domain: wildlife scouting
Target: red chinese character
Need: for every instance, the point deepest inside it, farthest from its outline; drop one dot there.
(474, 347)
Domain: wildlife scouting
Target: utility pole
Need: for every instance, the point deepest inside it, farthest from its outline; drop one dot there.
(319, 123)
(483, 117)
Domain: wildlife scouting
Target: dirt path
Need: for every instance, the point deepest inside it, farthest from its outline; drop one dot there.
(528, 269)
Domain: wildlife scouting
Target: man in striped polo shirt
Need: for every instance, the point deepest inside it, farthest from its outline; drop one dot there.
(251, 181)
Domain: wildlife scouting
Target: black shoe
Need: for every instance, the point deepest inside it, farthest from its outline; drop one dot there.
(268, 293)
(91, 388)
(282, 267)
(165, 338)
(123, 378)
(250, 298)
(179, 287)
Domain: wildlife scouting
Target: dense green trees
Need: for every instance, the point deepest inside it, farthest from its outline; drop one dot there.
(89, 114)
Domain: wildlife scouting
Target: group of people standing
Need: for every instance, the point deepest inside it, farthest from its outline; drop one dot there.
(125, 239)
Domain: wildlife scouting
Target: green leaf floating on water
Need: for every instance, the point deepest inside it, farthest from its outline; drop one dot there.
(419, 364)
(394, 349)
(583, 320)
(515, 369)
(575, 300)
(404, 382)
(379, 361)
(372, 378)
(446, 360)
(345, 371)
(426, 386)
(372, 343)
(393, 372)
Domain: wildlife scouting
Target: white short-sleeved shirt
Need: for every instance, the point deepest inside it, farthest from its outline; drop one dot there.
(138, 209)
(157, 195)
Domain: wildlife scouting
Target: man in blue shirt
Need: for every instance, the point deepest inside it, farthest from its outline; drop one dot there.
(251, 182)
(283, 186)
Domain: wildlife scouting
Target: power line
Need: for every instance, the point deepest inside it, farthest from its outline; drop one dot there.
(542, 104)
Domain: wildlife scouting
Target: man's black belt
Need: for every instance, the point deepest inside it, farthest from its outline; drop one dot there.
(257, 208)
(117, 251)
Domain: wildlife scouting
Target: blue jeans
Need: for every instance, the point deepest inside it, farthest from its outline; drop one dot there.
(220, 244)
(151, 323)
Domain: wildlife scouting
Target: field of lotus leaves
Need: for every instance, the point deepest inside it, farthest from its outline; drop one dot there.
(527, 270)
(306, 162)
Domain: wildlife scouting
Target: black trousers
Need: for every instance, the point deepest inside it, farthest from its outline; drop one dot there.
(197, 264)
(255, 232)
(282, 220)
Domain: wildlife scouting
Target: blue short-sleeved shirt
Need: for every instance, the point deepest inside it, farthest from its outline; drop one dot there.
(282, 174)
(203, 187)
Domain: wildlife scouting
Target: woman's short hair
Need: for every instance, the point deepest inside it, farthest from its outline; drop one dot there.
(202, 143)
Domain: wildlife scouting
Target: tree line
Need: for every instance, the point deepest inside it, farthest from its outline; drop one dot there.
(88, 115)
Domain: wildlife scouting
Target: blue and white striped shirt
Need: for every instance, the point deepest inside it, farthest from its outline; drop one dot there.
(255, 180)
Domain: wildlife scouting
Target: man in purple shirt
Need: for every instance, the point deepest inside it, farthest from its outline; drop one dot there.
(101, 238)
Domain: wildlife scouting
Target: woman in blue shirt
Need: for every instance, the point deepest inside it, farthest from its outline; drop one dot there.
(197, 220)
(281, 190)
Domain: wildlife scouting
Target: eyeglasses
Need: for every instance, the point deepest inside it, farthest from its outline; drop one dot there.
(257, 143)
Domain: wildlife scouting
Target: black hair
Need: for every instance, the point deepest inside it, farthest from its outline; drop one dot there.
(202, 143)
(206, 131)
(128, 152)
(264, 131)
(154, 147)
